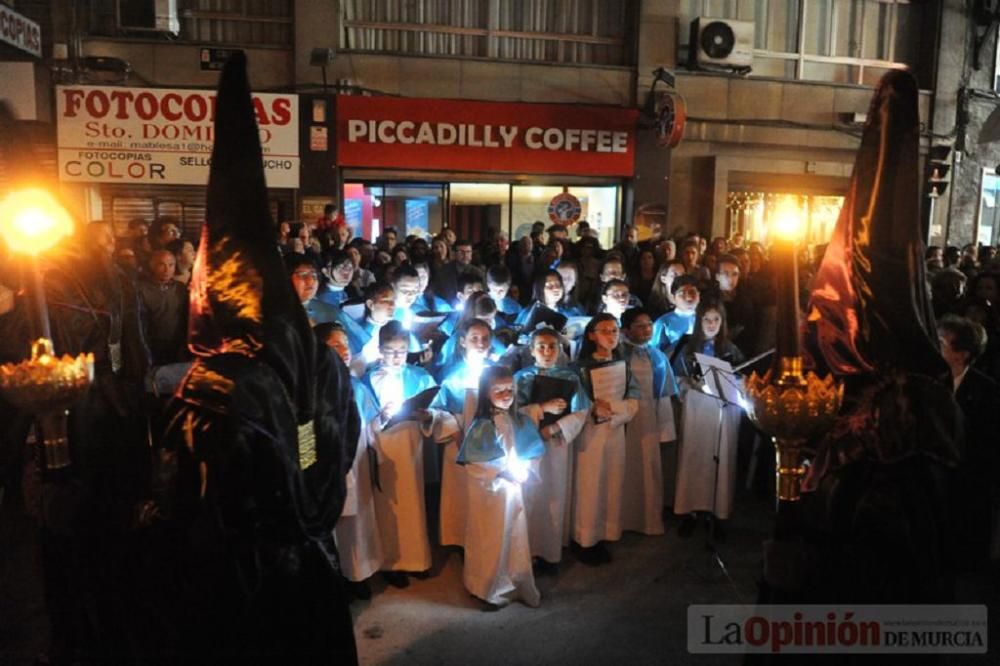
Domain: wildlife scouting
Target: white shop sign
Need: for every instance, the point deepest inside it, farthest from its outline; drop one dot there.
(20, 32)
(158, 136)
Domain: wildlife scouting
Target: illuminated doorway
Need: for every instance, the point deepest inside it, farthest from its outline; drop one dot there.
(751, 213)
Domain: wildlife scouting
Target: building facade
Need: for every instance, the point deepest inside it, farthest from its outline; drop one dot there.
(581, 68)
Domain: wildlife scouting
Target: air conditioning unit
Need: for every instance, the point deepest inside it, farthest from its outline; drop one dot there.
(149, 16)
(721, 43)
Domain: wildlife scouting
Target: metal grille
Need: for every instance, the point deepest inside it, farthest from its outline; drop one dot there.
(559, 31)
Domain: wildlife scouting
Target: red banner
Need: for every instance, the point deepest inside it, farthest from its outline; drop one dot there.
(457, 135)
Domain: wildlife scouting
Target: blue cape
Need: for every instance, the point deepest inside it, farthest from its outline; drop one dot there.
(524, 379)
(483, 444)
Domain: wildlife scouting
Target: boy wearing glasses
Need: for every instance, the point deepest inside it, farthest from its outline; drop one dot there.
(399, 503)
(671, 327)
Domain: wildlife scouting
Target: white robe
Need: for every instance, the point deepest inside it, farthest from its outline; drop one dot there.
(449, 430)
(707, 425)
(547, 500)
(642, 501)
(357, 534)
(599, 477)
(399, 506)
(497, 565)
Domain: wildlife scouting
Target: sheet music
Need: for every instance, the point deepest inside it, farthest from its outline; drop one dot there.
(609, 382)
(720, 376)
(424, 325)
(355, 311)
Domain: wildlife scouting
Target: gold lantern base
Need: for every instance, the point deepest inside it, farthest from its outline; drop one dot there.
(792, 407)
(47, 386)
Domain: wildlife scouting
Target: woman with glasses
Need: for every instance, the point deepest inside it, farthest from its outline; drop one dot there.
(306, 280)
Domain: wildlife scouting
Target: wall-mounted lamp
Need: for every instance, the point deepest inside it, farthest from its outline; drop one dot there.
(322, 58)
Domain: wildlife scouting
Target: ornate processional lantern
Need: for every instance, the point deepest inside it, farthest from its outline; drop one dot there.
(786, 403)
(31, 223)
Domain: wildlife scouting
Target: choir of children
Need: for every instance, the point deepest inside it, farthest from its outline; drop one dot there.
(564, 452)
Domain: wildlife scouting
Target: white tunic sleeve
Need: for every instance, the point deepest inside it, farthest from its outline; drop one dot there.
(623, 411)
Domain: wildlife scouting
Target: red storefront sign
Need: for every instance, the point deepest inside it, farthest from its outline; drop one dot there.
(457, 135)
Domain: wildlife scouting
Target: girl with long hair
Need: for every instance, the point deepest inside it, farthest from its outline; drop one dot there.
(569, 270)
(548, 291)
(599, 467)
(500, 454)
(661, 300)
(706, 461)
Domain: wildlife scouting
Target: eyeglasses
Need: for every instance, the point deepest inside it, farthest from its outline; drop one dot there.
(394, 352)
(306, 275)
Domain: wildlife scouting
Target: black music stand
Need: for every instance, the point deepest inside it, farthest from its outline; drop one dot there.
(721, 383)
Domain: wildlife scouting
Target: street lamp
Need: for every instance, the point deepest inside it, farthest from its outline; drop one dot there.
(31, 223)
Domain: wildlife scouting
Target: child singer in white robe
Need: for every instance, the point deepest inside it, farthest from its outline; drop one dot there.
(499, 452)
(356, 533)
(642, 509)
(547, 501)
(706, 462)
(599, 468)
(399, 504)
(455, 408)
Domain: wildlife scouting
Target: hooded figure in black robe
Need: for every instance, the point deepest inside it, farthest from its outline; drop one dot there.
(261, 436)
(874, 510)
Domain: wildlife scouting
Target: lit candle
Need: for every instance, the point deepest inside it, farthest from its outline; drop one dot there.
(786, 231)
(33, 222)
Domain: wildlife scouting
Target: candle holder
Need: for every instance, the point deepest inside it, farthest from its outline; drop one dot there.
(47, 387)
(792, 407)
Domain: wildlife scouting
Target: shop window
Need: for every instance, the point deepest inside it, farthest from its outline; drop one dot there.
(598, 206)
(410, 208)
(478, 211)
(571, 31)
(989, 209)
(752, 213)
(996, 61)
(839, 41)
(232, 22)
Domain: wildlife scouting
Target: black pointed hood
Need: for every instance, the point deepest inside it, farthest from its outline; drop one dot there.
(241, 298)
(869, 311)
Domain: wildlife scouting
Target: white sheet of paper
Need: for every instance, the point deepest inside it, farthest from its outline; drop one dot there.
(355, 311)
(425, 325)
(609, 381)
(720, 377)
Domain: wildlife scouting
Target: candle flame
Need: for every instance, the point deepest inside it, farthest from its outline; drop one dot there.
(32, 221)
(788, 223)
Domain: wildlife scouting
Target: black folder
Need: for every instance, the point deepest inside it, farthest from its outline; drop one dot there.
(540, 314)
(407, 411)
(546, 388)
